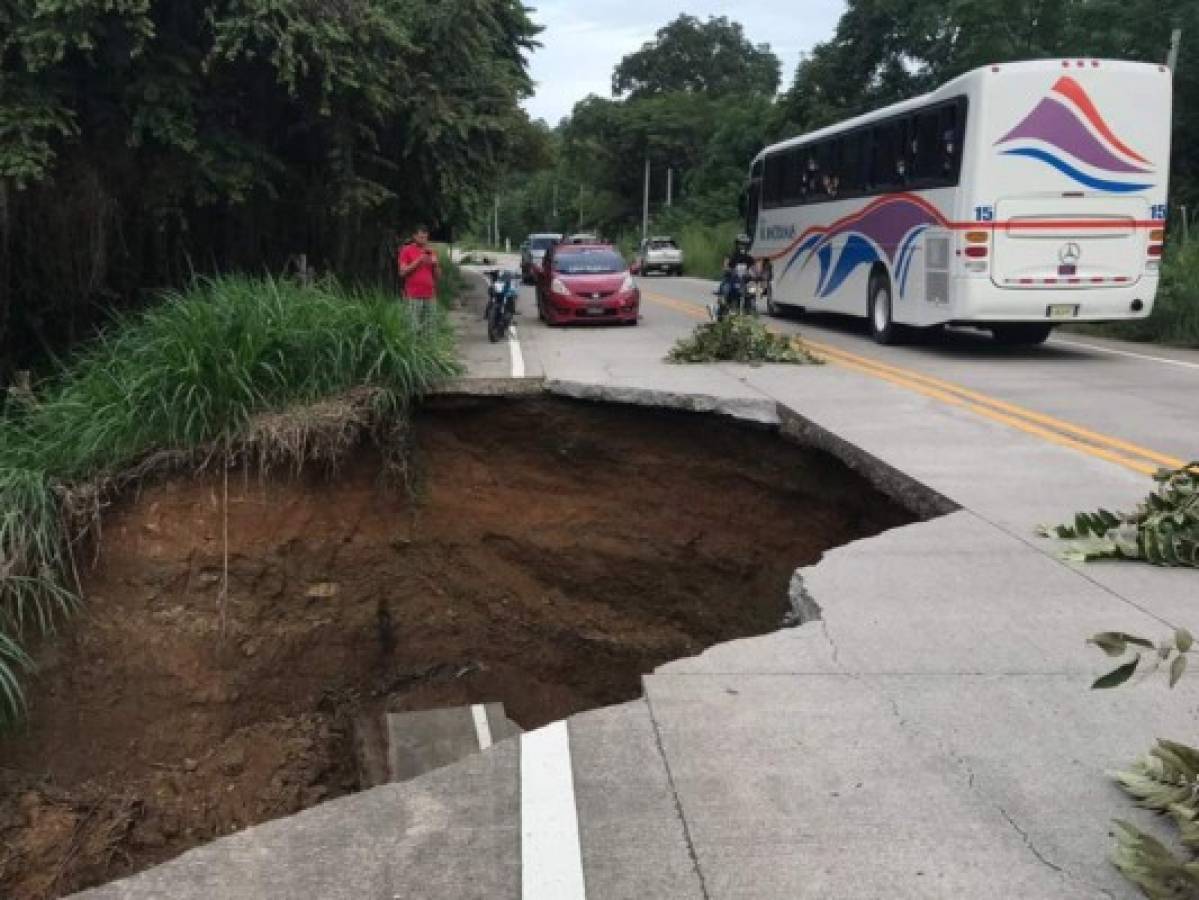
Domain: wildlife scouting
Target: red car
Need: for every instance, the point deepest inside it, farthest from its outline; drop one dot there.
(586, 283)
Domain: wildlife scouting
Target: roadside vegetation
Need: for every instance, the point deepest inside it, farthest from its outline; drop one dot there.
(144, 142)
(742, 339)
(1175, 316)
(208, 376)
(1164, 781)
(1163, 530)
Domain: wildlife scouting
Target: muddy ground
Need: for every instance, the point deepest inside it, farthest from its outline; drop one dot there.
(545, 554)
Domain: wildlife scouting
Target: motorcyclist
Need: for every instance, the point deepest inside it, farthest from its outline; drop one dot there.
(739, 256)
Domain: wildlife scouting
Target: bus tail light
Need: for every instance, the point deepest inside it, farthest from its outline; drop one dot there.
(977, 248)
(1157, 237)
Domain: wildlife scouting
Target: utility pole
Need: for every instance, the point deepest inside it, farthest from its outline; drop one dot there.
(645, 203)
(1172, 56)
(497, 220)
(670, 186)
(554, 206)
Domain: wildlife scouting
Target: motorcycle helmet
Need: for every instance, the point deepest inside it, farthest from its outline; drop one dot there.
(742, 240)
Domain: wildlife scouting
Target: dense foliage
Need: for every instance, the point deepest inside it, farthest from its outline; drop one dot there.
(690, 56)
(1163, 530)
(189, 375)
(143, 140)
(742, 339)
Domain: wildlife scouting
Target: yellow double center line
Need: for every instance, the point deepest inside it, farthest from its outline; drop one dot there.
(1056, 431)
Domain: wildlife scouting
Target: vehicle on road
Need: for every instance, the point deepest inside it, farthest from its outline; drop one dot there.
(502, 293)
(532, 251)
(586, 283)
(659, 254)
(583, 237)
(1015, 198)
(740, 296)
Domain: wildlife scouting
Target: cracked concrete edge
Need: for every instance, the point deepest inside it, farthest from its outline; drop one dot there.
(753, 411)
(489, 387)
(804, 608)
(913, 495)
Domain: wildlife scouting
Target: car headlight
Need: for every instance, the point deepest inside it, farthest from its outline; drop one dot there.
(558, 287)
(628, 284)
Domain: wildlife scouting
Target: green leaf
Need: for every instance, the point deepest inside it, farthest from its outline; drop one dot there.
(1110, 643)
(1177, 668)
(1118, 676)
(1183, 640)
(1114, 643)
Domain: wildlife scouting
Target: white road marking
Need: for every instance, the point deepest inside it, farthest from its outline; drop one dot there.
(551, 861)
(479, 712)
(1161, 359)
(518, 358)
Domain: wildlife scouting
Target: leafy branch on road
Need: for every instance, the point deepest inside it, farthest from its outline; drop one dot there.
(1163, 531)
(1165, 781)
(743, 339)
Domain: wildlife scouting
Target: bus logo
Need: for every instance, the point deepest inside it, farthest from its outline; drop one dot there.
(1070, 254)
(1066, 131)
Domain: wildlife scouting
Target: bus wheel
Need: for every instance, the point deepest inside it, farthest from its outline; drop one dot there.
(772, 308)
(1021, 335)
(882, 327)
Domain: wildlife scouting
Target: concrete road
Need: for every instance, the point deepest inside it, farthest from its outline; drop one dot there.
(1134, 405)
(1124, 394)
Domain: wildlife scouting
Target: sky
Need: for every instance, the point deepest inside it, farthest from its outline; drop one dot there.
(583, 40)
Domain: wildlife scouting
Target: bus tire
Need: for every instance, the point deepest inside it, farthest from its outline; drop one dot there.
(882, 324)
(1021, 335)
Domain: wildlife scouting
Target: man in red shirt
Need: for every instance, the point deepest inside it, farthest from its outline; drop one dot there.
(419, 270)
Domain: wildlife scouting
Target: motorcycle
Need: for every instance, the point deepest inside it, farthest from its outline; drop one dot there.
(740, 297)
(503, 288)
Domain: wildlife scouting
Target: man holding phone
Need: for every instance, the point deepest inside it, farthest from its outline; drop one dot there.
(419, 270)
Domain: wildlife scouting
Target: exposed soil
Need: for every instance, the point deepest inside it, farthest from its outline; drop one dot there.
(546, 555)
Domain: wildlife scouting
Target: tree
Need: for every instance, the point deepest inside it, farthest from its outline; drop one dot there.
(690, 56)
(141, 140)
(888, 50)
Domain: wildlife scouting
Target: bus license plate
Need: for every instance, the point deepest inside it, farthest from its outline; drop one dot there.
(1063, 311)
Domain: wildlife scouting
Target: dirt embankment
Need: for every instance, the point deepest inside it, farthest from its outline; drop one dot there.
(547, 555)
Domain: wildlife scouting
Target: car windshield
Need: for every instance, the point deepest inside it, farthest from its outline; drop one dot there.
(662, 245)
(589, 262)
(541, 243)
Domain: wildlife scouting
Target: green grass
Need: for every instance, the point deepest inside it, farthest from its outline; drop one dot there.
(706, 246)
(189, 373)
(1175, 316)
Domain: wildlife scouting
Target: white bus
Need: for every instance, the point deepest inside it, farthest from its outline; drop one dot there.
(1014, 198)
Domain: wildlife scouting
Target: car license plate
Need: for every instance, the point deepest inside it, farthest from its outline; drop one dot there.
(1063, 311)
(597, 310)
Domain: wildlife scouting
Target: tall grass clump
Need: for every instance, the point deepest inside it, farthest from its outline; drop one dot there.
(452, 280)
(192, 372)
(706, 246)
(1175, 316)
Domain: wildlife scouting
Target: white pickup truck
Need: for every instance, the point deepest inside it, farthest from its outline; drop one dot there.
(659, 254)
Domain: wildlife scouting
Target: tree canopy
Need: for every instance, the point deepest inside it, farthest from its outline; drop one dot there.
(144, 139)
(691, 56)
(887, 50)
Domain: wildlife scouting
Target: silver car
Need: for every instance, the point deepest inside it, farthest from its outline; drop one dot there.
(532, 252)
(660, 254)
